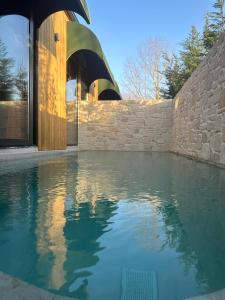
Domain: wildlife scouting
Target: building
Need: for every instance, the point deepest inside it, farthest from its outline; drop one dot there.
(43, 50)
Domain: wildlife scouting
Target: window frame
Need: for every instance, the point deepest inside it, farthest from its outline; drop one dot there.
(30, 139)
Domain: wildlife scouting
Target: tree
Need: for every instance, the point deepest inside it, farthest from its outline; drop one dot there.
(134, 85)
(6, 77)
(143, 76)
(180, 68)
(217, 17)
(192, 53)
(174, 77)
(214, 25)
(195, 47)
(209, 35)
(21, 83)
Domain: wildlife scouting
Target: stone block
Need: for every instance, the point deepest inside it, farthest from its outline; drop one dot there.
(223, 134)
(221, 103)
(217, 140)
(204, 137)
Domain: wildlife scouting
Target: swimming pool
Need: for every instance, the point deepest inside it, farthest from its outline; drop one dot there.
(72, 224)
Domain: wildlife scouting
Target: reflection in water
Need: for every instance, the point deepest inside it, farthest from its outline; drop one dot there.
(71, 224)
(82, 234)
(50, 225)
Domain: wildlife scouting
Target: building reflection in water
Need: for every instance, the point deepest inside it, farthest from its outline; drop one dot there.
(51, 243)
(68, 226)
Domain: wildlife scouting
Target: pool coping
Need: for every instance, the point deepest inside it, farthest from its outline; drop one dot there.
(13, 288)
(15, 153)
(220, 295)
(200, 160)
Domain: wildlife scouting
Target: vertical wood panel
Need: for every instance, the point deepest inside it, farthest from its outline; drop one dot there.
(52, 131)
(79, 84)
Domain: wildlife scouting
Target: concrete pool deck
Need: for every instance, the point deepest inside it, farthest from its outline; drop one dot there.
(32, 152)
(220, 295)
(14, 289)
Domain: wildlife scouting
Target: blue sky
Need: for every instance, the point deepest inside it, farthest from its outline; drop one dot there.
(14, 33)
(121, 25)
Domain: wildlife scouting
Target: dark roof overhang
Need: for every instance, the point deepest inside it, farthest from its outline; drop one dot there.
(81, 41)
(109, 95)
(108, 90)
(39, 10)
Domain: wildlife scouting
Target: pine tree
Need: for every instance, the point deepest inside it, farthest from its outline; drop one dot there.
(214, 25)
(192, 53)
(21, 83)
(6, 77)
(209, 35)
(174, 77)
(217, 18)
(195, 47)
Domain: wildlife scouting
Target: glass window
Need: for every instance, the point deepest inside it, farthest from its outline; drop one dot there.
(72, 114)
(71, 90)
(14, 78)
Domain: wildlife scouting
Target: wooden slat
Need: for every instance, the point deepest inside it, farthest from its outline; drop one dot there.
(52, 132)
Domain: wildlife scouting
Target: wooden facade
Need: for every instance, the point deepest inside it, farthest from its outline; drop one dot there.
(42, 116)
(52, 115)
(57, 119)
(57, 127)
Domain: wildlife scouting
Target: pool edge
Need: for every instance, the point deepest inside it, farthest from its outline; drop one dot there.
(12, 287)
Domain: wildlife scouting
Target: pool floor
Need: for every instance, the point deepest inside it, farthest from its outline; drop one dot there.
(71, 225)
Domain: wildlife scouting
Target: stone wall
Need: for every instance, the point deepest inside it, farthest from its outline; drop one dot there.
(193, 124)
(125, 125)
(199, 110)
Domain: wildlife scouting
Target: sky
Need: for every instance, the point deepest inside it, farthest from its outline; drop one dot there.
(122, 25)
(14, 33)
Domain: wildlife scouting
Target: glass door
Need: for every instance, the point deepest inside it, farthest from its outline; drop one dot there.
(16, 121)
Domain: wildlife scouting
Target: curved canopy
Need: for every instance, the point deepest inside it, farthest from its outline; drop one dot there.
(109, 95)
(39, 10)
(108, 91)
(82, 41)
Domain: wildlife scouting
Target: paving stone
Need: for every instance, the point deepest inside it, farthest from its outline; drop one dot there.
(220, 295)
(14, 289)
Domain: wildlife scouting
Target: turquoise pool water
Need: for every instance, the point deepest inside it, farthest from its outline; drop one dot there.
(70, 225)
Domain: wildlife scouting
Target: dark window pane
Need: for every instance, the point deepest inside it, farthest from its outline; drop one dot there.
(84, 87)
(14, 78)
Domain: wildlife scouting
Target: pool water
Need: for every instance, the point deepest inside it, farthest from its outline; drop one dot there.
(72, 224)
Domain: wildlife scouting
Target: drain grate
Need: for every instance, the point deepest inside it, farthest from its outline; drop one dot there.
(139, 285)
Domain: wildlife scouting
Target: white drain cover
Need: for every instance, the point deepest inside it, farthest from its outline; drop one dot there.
(138, 285)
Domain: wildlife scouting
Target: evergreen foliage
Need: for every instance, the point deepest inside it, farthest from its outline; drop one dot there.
(174, 77)
(217, 18)
(209, 35)
(6, 77)
(21, 83)
(194, 48)
(192, 52)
